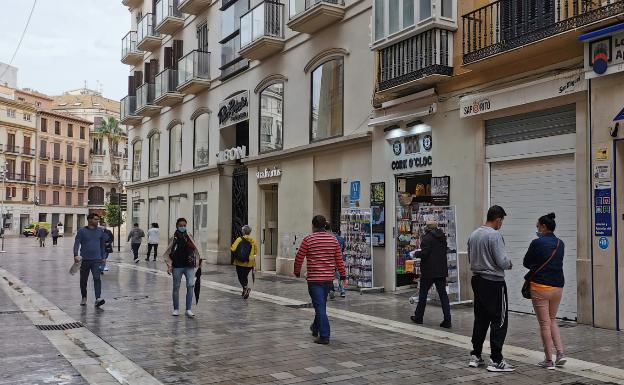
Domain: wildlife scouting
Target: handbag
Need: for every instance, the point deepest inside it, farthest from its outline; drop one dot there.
(526, 287)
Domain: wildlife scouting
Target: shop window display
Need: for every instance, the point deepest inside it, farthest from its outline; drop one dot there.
(355, 226)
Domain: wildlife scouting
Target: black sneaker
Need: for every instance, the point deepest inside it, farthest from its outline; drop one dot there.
(136, 260)
(322, 341)
(446, 324)
(502, 366)
(147, 259)
(314, 333)
(99, 302)
(415, 320)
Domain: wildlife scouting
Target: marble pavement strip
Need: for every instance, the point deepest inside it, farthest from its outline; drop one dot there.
(95, 360)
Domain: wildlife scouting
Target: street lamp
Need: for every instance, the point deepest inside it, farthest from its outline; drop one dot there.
(3, 172)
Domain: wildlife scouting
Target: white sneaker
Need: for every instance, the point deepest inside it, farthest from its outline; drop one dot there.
(105, 268)
(175, 313)
(190, 314)
(502, 366)
(476, 362)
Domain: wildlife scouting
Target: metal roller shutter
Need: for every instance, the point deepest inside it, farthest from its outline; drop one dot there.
(527, 189)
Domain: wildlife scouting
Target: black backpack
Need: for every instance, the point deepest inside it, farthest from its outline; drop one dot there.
(243, 251)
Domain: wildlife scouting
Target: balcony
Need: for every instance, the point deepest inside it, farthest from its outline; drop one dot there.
(414, 64)
(28, 152)
(82, 184)
(56, 182)
(128, 106)
(132, 3)
(57, 158)
(166, 93)
(194, 72)
(70, 161)
(24, 178)
(169, 19)
(44, 155)
(147, 38)
(145, 100)
(97, 152)
(309, 16)
(82, 162)
(12, 149)
(129, 52)
(193, 7)
(70, 184)
(101, 177)
(262, 31)
(546, 28)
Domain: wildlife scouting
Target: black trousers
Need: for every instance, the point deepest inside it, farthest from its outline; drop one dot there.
(243, 275)
(135, 249)
(490, 311)
(149, 249)
(425, 285)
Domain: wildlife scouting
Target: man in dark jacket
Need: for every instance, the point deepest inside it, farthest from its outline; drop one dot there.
(433, 270)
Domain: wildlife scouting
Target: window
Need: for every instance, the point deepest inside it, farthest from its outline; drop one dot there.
(152, 211)
(82, 133)
(392, 16)
(80, 199)
(327, 100)
(202, 37)
(44, 125)
(96, 168)
(10, 113)
(136, 161)
(57, 151)
(154, 155)
(175, 148)
(11, 192)
(81, 179)
(200, 218)
(43, 173)
(70, 130)
(231, 63)
(200, 141)
(57, 128)
(68, 199)
(136, 208)
(97, 122)
(42, 197)
(69, 155)
(43, 151)
(27, 149)
(56, 175)
(11, 143)
(81, 157)
(68, 176)
(25, 194)
(447, 9)
(96, 196)
(174, 211)
(55, 198)
(27, 117)
(271, 117)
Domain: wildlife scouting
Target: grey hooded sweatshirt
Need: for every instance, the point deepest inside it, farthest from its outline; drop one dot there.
(486, 253)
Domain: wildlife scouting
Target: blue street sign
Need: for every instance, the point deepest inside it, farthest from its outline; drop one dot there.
(603, 242)
(355, 191)
(619, 116)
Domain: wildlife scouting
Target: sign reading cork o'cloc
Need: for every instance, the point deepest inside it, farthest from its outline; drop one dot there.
(234, 109)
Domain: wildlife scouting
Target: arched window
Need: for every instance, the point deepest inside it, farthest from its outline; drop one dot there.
(200, 140)
(271, 117)
(175, 148)
(136, 161)
(327, 101)
(154, 155)
(96, 195)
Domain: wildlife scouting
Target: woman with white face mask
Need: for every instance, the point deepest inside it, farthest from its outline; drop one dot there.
(182, 257)
(544, 259)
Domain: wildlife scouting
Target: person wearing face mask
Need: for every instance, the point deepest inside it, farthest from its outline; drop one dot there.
(182, 258)
(544, 259)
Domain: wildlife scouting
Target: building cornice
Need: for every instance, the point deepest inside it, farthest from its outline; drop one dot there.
(204, 171)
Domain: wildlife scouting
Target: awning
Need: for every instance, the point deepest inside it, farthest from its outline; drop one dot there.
(403, 117)
(601, 32)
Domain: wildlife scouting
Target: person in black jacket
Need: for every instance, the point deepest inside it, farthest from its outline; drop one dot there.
(433, 270)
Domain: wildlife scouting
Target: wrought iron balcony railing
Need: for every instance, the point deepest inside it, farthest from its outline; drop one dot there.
(505, 25)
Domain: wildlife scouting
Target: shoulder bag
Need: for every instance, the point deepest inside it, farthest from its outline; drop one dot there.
(526, 287)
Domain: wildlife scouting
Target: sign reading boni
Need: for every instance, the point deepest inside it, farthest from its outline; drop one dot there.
(234, 109)
(234, 153)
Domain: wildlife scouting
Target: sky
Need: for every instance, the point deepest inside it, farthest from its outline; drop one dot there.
(67, 43)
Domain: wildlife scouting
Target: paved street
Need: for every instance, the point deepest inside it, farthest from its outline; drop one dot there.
(133, 339)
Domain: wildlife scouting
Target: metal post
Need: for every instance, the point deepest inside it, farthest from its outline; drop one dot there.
(119, 222)
(3, 174)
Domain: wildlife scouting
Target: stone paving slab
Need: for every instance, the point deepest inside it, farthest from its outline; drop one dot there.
(232, 341)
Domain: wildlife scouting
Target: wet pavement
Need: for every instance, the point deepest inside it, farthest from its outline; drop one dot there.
(262, 340)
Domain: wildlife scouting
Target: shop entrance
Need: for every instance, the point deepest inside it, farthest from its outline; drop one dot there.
(239, 201)
(24, 221)
(328, 201)
(412, 192)
(269, 231)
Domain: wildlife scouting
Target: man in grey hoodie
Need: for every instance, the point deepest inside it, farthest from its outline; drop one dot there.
(135, 237)
(488, 262)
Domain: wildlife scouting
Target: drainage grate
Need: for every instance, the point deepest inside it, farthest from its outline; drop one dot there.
(73, 325)
(300, 306)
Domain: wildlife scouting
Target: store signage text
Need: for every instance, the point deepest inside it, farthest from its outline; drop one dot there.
(234, 110)
(477, 107)
(416, 162)
(570, 85)
(235, 153)
(603, 226)
(269, 173)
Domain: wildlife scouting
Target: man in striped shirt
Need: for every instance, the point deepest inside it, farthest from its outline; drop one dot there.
(323, 254)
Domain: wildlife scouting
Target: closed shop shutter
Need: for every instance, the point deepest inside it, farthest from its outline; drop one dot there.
(527, 189)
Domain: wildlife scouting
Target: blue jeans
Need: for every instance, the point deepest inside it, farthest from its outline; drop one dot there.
(318, 293)
(341, 289)
(178, 272)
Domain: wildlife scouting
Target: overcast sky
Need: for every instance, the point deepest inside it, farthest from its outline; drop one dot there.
(67, 43)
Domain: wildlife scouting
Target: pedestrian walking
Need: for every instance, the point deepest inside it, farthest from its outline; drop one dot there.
(108, 247)
(153, 236)
(182, 257)
(244, 252)
(433, 271)
(135, 237)
(488, 262)
(36, 232)
(89, 249)
(323, 255)
(61, 229)
(544, 259)
(55, 235)
(342, 242)
(42, 233)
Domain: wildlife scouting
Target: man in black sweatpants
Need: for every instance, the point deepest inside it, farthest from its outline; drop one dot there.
(488, 262)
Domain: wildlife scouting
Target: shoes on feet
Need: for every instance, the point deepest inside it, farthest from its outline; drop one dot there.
(415, 320)
(446, 324)
(154, 259)
(99, 302)
(190, 314)
(547, 364)
(322, 341)
(561, 360)
(314, 333)
(147, 259)
(332, 294)
(246, 293)
(136, 260)
(175, 312)
(476, 361)
(502, 366)
(343, 295)
(83, 302)
(105, 268)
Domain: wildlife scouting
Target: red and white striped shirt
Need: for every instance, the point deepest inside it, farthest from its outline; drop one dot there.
(322, 251)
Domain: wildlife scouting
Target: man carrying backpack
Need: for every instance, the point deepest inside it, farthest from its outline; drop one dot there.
(244, 251)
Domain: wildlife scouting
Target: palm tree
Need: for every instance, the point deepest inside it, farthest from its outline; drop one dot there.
(109, 129)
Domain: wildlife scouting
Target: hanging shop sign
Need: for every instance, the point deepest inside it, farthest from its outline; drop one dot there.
(534, 91)
(378, 206)
(355, 191)
(411, 153)
(603, 226)
(269, 173)
(235, 153)
(441, 190)
(604, 55)
(234, 109)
